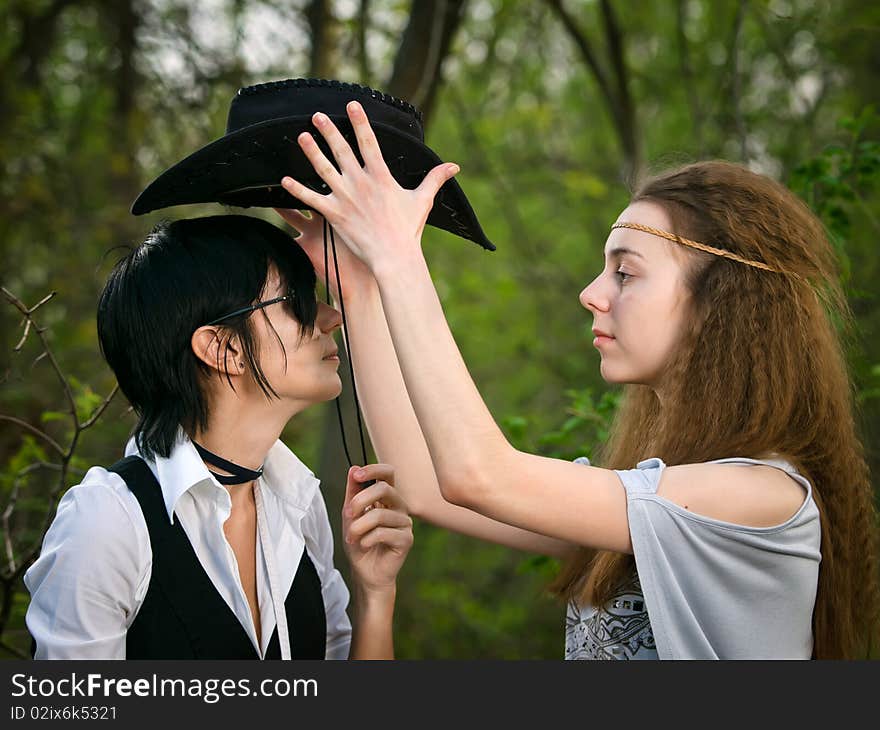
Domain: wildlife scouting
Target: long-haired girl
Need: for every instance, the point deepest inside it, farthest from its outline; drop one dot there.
(733, 514)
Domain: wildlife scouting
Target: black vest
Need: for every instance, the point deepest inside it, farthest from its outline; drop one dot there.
(184, 617)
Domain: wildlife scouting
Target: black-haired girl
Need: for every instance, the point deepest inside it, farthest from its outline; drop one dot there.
(210, 540)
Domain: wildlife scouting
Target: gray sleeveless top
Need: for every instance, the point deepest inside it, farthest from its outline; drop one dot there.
(704, 588)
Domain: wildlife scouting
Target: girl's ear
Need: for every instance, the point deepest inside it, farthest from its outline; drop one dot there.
(222, 355)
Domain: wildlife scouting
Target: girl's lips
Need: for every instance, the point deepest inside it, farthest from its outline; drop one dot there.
(601, 340)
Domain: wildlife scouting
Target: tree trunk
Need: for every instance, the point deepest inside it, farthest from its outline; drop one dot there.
(126, 82)
(322, 25)
(425, 44)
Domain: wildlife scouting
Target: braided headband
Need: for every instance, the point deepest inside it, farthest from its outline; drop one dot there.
(694, 244)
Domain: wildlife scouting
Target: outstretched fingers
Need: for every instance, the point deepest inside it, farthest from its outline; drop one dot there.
(366, 138)
(435, 180)
(340, 148)
(325, 171)
(305, 194)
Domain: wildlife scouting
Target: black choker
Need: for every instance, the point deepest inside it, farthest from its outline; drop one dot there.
(237, 473)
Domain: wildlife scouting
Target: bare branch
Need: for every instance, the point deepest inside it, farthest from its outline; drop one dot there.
(65, 384)
(7, 533)
(13, 500)
(65, 454)
(24, 471)
(28, 313)
(100, 409)
(20, 305)
(41, 302)
(36, 431)
(27, 329)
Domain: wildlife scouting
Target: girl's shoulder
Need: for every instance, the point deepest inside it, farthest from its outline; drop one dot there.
(758, 493)
(98, 538)
(100, 510)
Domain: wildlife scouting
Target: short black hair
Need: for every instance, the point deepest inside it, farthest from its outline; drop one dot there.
(185, 274)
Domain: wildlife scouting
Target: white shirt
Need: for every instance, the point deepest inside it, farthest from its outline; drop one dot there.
(94, 569)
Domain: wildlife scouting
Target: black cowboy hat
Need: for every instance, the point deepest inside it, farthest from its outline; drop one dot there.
(244, 167)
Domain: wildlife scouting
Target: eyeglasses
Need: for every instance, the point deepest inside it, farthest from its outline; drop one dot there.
(259, 305)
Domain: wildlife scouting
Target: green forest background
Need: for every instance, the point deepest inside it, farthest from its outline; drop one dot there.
(551, 108)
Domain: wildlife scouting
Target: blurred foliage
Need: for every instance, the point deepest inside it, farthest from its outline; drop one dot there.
(840, 179)
(98, 97)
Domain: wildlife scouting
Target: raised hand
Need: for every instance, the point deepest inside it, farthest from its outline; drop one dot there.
(379, 220)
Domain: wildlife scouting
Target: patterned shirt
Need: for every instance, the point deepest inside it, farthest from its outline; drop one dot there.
(715, 589)
(620, 629)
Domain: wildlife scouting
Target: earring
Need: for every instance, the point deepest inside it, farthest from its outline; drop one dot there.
(241, 364)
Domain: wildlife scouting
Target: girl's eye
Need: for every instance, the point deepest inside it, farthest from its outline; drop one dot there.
(623, 276)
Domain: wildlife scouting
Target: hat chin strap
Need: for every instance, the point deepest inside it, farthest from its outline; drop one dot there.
(347, 339)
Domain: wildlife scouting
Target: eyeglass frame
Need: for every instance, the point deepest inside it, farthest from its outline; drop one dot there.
(251, 308)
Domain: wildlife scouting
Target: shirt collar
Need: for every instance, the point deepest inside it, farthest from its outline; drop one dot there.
(283, 474)
(290, 479)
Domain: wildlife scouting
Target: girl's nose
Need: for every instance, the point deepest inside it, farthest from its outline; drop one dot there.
(593, 297)
(328, 318)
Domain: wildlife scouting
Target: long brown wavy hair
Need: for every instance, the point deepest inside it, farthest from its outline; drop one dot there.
(761, 369)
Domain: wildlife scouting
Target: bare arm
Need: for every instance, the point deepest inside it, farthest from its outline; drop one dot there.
(372, 633)
(397, 437)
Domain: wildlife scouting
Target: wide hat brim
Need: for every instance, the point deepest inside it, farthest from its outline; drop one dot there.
(245, 167)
